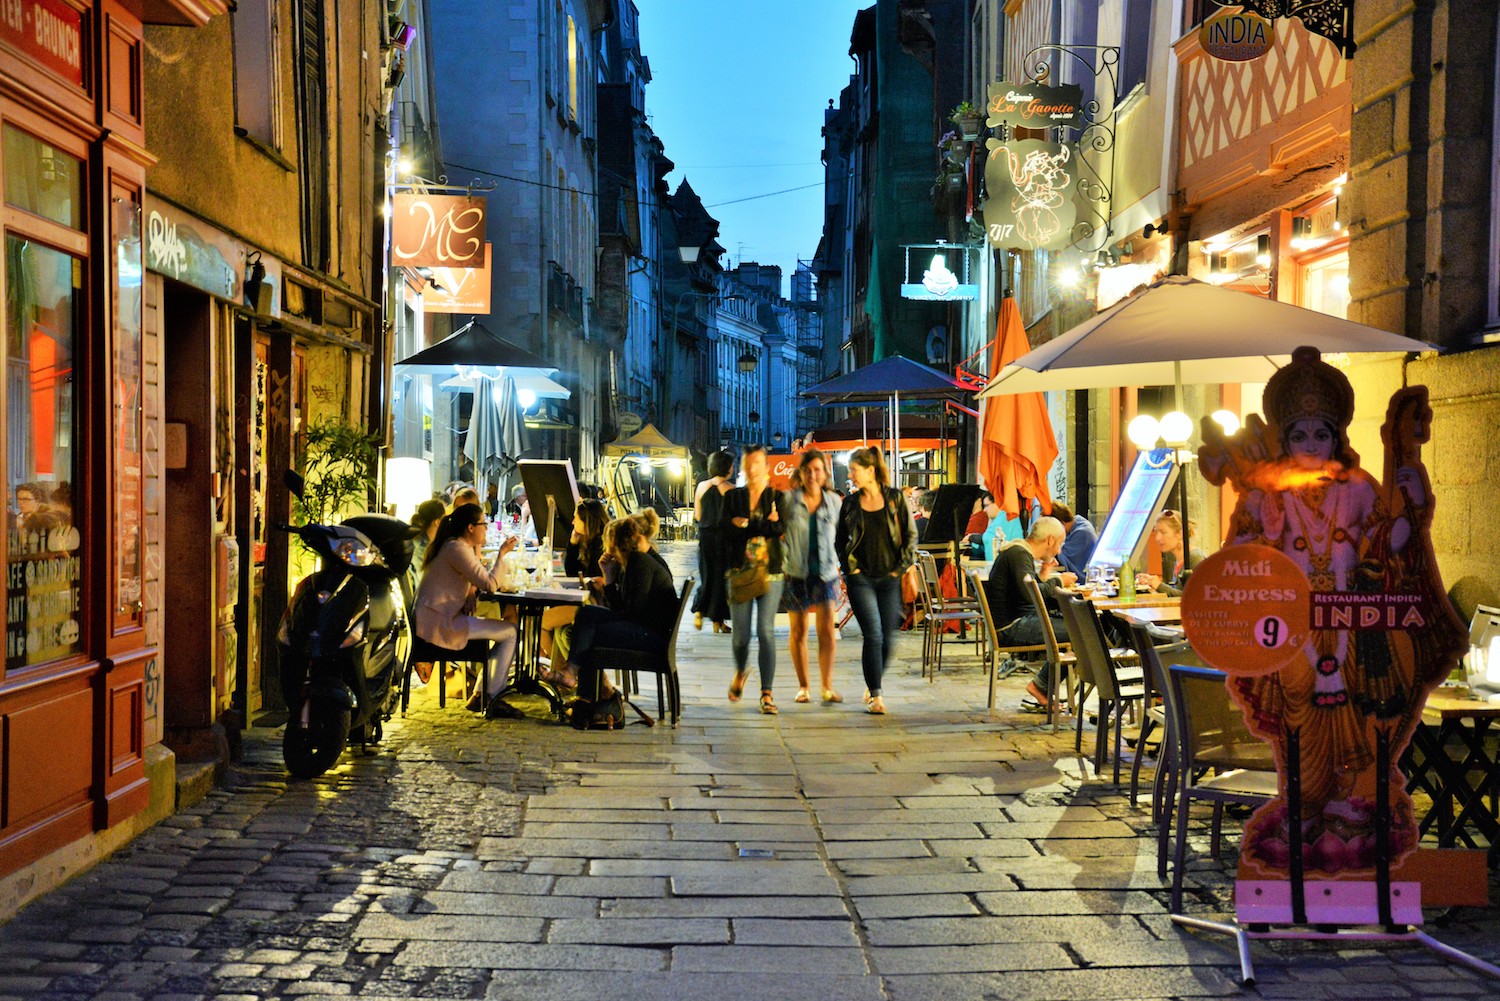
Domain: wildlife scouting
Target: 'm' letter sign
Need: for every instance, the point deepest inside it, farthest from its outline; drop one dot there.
(437, 231)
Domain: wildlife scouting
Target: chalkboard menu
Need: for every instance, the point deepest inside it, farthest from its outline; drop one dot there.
(1148, 485)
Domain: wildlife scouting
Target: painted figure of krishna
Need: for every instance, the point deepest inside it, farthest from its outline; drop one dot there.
(1384, 633)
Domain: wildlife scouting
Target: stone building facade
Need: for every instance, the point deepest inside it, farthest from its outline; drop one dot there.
(1424, 249)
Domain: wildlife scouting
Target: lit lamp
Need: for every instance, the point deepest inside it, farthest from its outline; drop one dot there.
(1226, 419)
(408, 482)
(748, 361)
(674, 466)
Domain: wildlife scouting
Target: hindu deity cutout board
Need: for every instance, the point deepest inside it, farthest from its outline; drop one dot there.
(1327, 612)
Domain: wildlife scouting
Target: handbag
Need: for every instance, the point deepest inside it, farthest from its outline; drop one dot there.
(748, 583)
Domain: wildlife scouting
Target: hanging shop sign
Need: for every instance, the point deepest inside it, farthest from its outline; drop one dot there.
(1035, 105)
(459, 290)
(437, 231)
(937, 282)
(1032, 188)
(50, 32)
(1236, 35)
(1328, 615)
(1333, 19)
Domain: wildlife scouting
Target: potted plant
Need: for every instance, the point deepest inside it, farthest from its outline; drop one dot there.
(968, 120)
(339, 462)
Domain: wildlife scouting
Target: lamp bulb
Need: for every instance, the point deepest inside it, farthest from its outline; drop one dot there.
(1226, 419)
(1143, 431)
(526, 398)
(1176, 428)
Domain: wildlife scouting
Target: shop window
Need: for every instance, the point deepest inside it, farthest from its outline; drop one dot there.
(1325, 285)
(257, 92)
(42, 179)
(44, 291)
(129, 548)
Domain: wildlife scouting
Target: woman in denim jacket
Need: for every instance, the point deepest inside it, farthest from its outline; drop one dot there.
(811, 564)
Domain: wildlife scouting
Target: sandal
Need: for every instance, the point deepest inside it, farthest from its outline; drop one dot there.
(737, 686)
(876, 706)
(802, 696)
(829, 695)
(767, 704)
(698, 621)
(1030, 705)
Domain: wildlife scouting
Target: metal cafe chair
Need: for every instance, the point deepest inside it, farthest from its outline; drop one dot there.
(993, 649)
(1205, 725)
(940, 612)
(1114, 690)
(1061, 660)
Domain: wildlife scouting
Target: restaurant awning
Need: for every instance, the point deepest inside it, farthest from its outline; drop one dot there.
(917, 434)
(647, 442)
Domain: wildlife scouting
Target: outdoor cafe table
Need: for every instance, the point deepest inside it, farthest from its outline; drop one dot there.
(1449, 758)
(1142, 599)
(531, 604)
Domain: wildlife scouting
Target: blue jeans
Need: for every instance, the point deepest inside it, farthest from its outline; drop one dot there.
(765, 608)
(877, 605)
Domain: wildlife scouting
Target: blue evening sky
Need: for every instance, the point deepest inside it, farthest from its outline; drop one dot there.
(737, 97)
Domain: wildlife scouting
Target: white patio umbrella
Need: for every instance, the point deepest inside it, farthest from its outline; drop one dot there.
(1181, 330)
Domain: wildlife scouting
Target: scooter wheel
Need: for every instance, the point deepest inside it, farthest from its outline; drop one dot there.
(311, 750)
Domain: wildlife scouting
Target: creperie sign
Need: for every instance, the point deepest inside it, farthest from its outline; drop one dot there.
(436, 231)
(49, 31)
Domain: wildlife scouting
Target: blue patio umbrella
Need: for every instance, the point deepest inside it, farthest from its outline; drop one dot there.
(886, 383)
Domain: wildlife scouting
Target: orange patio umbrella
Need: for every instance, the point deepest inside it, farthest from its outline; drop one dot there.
(1016, 445)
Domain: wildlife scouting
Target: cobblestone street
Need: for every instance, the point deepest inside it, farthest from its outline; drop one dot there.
(933, 853)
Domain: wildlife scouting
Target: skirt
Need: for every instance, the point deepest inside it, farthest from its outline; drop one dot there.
(802, 593)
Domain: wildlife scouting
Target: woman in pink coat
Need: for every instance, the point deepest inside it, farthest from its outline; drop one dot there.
(452, 577)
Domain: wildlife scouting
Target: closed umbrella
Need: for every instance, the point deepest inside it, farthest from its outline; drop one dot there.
(1017, 445)
(496, 435)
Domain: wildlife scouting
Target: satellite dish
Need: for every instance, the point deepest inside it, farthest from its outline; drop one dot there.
(937, 346)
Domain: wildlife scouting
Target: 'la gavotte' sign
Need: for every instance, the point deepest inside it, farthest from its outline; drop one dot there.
(437, 231)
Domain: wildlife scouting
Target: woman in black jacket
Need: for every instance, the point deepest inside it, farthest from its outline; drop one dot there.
(639, 610)
(752, 527)
(876, 541)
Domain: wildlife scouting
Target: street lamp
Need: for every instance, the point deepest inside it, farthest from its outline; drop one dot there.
(748, 361)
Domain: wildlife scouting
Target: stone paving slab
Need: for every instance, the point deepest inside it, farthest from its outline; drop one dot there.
(943, 851)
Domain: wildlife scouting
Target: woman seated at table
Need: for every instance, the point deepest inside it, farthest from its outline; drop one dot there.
(638, 611)
(452, 576)
(580, 562)
(1175, 568)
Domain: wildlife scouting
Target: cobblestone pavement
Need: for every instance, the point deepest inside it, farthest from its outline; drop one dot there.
(937, 852)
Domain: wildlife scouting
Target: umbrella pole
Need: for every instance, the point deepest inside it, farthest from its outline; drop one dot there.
(896, 440)
(1182, 486)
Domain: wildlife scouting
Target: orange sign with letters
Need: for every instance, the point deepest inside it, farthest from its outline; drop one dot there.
(437, 231)
(459, 290)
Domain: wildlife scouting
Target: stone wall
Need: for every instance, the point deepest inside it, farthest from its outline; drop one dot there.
(1419, 256)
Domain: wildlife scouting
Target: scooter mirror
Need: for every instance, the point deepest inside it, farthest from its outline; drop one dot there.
(294, 482)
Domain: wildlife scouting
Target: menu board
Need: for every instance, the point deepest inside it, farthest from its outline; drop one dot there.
(1146, 488)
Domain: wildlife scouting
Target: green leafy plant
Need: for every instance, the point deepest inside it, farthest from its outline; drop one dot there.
(964, 110)
(339, 463)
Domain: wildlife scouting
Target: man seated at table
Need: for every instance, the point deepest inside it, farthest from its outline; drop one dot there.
(1078, 544)
(1015, 617)
(923, 509)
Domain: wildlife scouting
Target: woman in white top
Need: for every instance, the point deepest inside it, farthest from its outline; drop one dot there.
(452, 576)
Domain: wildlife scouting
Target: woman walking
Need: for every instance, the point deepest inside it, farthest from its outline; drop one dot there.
(752, 528)
(452, 575)
(712, 600)
(812, 568)
(876, 542)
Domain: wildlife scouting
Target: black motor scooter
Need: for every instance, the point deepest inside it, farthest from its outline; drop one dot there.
(343, 638)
